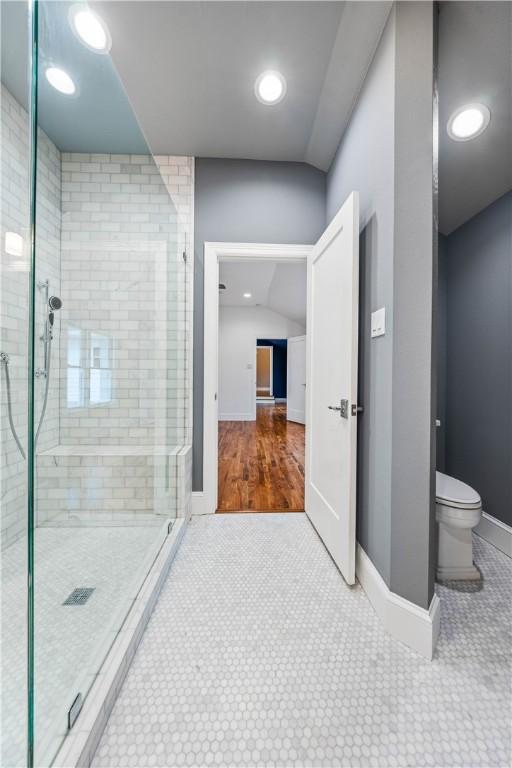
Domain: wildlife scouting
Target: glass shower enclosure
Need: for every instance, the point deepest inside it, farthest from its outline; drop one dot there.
(93, 344)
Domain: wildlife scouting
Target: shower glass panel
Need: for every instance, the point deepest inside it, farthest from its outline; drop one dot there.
(109, 386)
(14, 365)
(107, 248)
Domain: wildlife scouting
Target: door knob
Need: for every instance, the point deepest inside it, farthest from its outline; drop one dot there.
(342, 408)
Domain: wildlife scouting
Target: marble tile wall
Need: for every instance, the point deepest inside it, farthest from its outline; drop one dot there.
(14, 300)
(115, 241)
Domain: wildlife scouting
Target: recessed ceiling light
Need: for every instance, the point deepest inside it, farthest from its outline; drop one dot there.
(60, 80)
(247, 295)
(90, 28)
(468, 122)
(270, 87)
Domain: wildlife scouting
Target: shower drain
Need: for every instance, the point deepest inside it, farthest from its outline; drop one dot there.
(79, 596)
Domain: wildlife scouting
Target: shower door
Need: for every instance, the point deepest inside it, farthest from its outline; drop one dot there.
(15, 455)
(94, 340)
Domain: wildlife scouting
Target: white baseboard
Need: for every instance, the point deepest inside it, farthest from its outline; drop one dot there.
(495, 532)
(406, 621)
(199, 504)
(293, 415)
(236, 417)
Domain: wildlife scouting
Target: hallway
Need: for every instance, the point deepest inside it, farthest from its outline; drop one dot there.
(261, 463)
(258, 654)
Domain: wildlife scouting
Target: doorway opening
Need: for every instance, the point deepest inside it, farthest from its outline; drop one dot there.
(229, 400)
(265, 372)
(261, 461)
(261, 444)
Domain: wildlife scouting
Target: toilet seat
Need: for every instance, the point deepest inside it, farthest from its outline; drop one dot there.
(455, 494)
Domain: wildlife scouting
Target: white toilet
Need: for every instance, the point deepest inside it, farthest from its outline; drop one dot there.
(458, 510)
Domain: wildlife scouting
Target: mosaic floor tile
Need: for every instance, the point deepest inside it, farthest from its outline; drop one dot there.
(258, 654)
(66, 636)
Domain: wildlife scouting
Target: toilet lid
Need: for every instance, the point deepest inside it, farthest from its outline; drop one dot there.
(455, 491)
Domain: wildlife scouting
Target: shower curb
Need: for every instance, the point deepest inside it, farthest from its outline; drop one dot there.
(79, 746)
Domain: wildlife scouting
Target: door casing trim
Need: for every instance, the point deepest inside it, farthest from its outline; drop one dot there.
(214, 253)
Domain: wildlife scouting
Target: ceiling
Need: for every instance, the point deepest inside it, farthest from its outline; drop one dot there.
(273, 285)
(189, 70)
(99, 118)
(475, 65)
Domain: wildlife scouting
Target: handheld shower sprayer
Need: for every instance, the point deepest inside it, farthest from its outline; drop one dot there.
(52, 304)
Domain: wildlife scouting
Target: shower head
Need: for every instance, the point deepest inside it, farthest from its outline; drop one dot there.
(54, 303)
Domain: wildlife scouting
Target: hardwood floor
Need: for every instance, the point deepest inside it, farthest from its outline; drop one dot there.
(261, 464)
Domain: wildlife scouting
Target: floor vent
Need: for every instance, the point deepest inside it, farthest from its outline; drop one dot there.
(79, 596)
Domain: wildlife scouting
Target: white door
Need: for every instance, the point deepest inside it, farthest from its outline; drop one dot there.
(296, 380)
(331, 393)
(264, 371)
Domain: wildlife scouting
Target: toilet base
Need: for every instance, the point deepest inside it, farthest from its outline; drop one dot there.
(455, 555)
(458, 574)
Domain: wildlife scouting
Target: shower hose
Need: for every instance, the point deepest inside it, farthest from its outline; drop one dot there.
(4, 359)
(5, 363)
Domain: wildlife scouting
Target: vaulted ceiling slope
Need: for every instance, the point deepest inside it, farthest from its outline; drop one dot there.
(475, 65)
(189, 69)
(182, 74)
(99, 118)
(274, 285)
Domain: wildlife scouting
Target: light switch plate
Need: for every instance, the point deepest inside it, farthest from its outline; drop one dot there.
(379, 322)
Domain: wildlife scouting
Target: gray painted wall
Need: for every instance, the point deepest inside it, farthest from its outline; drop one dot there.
(247, 201)
(479, 356)
(413, 426)
(441, 354)
(386, 154)
(365, 162)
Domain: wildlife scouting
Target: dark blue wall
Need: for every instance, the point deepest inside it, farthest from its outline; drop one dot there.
(279, 361)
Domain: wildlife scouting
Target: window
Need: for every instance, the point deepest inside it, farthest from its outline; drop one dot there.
(76, 394)
(100, 372)
(89, 378)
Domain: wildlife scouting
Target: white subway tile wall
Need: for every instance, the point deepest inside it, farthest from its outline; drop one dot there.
(124, 280)
(14, 300)
(112, 246)
(178, 174)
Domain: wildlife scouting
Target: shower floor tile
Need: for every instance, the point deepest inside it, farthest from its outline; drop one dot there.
(258, 653)
(105, 559)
